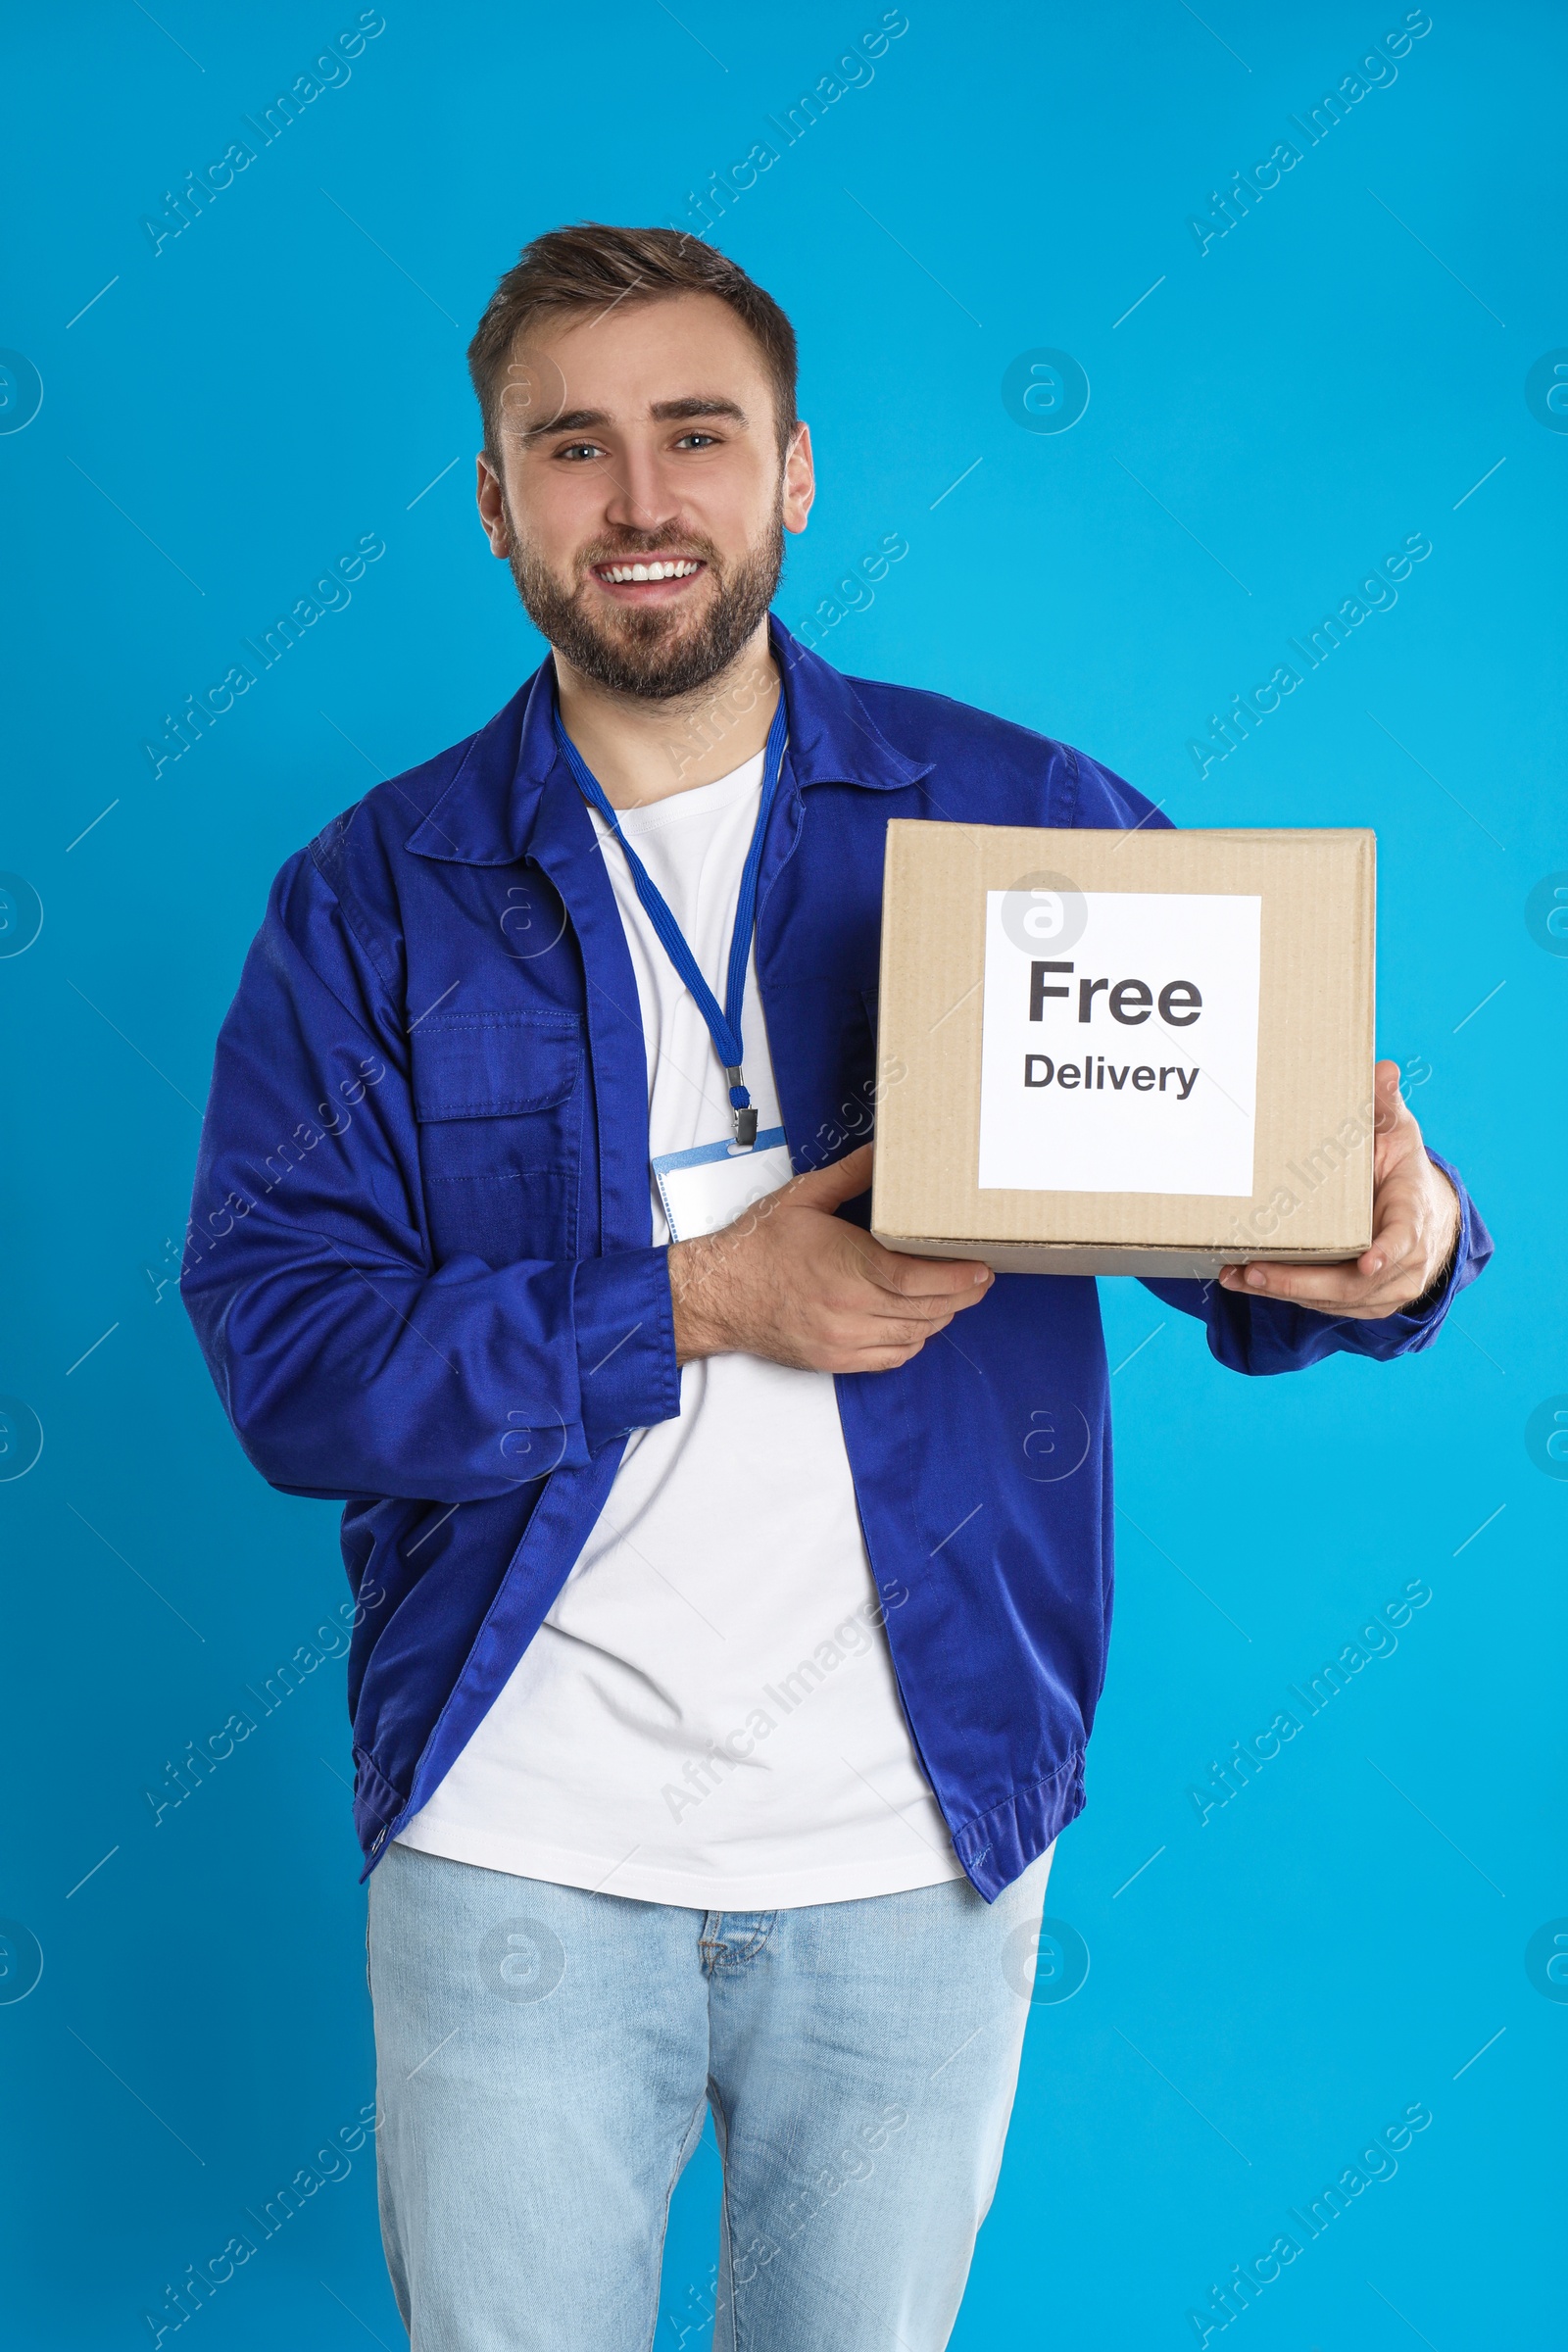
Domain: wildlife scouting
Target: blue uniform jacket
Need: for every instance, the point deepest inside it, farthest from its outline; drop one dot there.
(420, 1262)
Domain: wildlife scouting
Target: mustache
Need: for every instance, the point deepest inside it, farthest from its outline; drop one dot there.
(626, 546)
(631, 546)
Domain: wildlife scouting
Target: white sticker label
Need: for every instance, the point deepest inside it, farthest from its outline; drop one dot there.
(1119, 1044)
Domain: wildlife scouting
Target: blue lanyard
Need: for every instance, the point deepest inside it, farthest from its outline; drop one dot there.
(724, 1027)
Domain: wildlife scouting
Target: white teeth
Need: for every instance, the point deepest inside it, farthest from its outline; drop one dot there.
(680, 569)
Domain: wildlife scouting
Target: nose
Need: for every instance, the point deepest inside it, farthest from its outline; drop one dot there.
(641, 497)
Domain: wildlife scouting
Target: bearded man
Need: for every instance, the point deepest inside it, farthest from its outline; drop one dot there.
(711, 1740)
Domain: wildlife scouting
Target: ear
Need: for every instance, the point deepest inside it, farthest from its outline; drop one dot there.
(800, 479)
(492, 506)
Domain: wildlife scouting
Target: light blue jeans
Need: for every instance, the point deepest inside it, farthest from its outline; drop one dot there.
(545, 2058)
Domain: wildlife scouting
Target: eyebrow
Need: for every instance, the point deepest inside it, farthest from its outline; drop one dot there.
(663, 412)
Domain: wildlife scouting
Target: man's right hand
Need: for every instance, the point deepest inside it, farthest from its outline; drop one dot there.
(792, 1282)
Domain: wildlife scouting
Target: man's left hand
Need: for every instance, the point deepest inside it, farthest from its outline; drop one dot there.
(1415, 1229)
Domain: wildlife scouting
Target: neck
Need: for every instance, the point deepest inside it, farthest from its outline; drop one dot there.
(642, 750)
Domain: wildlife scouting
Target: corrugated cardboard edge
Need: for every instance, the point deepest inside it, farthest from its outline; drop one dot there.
(1088, 1257)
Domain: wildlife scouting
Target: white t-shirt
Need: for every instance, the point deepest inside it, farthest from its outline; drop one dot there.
(709, 1714)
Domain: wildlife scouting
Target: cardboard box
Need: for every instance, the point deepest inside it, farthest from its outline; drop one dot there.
(1217, 987)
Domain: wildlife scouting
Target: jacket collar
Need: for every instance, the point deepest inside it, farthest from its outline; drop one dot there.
(489, 812)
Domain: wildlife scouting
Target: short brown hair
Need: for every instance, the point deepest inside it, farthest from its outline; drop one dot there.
(591, 265)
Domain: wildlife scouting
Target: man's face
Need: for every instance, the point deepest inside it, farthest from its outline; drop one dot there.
(644, 436)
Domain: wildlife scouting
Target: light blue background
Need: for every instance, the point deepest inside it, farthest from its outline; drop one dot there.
(1274, 418)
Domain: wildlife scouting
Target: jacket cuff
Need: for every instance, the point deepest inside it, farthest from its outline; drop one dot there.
(625, 1324)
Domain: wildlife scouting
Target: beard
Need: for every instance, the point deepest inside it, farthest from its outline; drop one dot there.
(661, 654)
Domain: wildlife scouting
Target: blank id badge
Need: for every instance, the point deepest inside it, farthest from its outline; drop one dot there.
(712, 1184)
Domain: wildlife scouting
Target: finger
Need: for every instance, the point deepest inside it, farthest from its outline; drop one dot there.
(910, 1335)
(884, 1359)
(906, 1276)
(1397, 1242)
(826, 1188)
(1333, 1284)
(879, 1320)
(1338, 1287)
(1396, 1238)
(855, 1347)
(1391, 1108)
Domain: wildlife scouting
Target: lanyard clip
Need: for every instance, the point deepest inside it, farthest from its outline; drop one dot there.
(743, 1112)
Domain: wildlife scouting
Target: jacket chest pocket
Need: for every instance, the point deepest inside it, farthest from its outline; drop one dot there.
(499, 1098)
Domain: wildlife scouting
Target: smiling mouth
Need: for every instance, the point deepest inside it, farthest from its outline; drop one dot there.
(632, 580)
